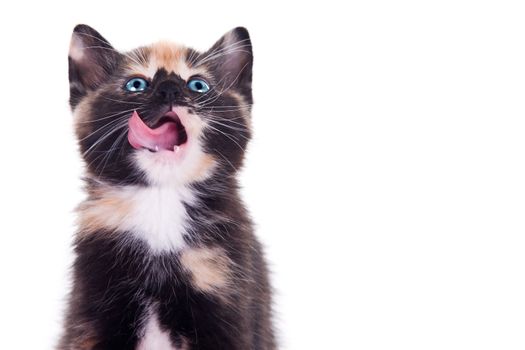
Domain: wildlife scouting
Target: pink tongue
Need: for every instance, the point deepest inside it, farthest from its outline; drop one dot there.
(141, 136)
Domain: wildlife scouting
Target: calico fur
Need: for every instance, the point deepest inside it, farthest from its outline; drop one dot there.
(165, 253)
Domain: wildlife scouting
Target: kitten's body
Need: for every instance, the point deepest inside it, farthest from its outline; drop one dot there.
(166, 257)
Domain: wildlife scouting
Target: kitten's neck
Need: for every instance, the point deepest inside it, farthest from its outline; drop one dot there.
(219, 187)
(162, 216)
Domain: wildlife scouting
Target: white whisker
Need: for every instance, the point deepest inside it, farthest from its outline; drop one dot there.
(109, 116)
(225, 134)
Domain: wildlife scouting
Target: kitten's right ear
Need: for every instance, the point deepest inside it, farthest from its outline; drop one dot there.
(91, 61)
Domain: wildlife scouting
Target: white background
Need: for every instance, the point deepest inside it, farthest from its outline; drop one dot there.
(386, 175)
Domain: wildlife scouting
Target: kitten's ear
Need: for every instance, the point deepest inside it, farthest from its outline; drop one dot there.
(231, 56)
(91, 60)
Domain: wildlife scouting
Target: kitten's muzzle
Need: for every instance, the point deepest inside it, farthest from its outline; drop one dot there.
(167, 91)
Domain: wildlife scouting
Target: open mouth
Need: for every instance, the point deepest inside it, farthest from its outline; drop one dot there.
(167, 134)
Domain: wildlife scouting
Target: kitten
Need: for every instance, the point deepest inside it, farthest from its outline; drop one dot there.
(166, 257)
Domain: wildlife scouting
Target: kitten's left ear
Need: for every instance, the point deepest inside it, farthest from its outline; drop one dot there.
(231, 56)
(91, 61)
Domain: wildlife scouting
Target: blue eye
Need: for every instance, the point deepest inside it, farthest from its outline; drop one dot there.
(198, 85)
(136, 85)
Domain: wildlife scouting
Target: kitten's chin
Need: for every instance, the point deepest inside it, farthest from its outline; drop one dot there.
(164, 157)
(179, 163)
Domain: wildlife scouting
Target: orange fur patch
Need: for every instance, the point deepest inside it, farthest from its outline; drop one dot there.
(104, 210)
(82, 115)
(167, 55)
(206, 163)
(210, 268)
(163, 55)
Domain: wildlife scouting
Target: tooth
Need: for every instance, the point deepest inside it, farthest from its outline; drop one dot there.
(156, 148)
(176, 148)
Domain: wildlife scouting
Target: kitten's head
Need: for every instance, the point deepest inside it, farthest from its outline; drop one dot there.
(161, 114)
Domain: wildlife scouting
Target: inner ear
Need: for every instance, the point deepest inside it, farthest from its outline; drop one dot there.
(232, 59)
(91, 58)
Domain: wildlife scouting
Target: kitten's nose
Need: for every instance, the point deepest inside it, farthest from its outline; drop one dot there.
(167, 91)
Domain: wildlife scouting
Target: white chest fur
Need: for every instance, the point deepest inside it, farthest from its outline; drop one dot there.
(155, 338)
(154, 214)
(159, 217)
